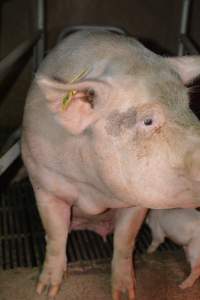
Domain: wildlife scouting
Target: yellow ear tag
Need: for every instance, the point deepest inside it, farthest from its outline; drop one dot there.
(68, 97)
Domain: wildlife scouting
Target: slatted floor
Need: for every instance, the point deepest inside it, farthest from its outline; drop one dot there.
(22, 242)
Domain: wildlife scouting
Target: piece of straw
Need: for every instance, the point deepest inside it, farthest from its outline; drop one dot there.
(68, 97)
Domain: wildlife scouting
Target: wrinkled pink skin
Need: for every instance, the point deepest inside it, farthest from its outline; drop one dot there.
(103, 224)
(183, 227)
(130, 145)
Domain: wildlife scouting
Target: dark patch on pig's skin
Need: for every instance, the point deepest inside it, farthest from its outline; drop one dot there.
(117, 121)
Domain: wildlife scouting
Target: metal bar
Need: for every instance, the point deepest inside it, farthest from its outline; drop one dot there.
(8, 158)
(69, 30)
(15, 135)
(31, 235)
(40, 46)
(17, 235)
(188, 45)
(24, 229)
(184, 23)
(7, 63)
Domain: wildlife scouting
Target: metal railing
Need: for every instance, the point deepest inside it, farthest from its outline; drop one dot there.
(31, 47)
(14, 58)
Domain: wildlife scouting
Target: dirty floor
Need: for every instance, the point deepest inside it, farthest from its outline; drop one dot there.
(158, 276)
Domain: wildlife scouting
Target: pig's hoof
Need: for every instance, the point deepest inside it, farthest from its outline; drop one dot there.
(186, 284)
(40, 288)
(123, 285)
(150, 250)
(116, 295)
(123, 279)
(50, 281)
(52, 290)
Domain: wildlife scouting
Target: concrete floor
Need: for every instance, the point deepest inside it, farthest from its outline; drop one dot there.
(158, 276)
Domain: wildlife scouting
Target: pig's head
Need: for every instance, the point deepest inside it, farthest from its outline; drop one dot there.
(135, 116)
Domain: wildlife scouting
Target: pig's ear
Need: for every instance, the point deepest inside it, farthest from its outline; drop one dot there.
(188, 67)
(79, 112)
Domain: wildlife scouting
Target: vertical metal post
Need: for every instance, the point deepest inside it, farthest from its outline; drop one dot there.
(40, 47)
(184, 23)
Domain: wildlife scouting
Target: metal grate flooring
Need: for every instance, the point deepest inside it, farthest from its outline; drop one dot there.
(22, 242)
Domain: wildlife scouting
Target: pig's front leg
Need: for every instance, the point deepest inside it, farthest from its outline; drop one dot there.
(55, 215)
(128, 223)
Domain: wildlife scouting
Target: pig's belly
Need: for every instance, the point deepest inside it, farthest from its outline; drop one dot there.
(103, 223)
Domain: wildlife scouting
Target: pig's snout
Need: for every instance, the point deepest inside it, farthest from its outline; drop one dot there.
(192, 163)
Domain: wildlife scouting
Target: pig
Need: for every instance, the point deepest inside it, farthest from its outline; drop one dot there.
(181, 225)
(107, 126)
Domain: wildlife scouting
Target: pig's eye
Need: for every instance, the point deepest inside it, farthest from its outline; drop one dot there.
(148, 121)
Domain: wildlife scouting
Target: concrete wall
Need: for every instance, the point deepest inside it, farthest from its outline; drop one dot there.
(157, 21)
